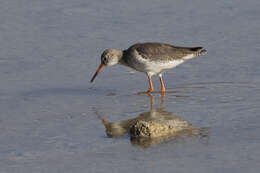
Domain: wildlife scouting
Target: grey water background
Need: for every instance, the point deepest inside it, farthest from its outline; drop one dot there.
(50, 49)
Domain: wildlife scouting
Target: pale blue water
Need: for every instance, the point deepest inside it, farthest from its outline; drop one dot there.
(50, 49)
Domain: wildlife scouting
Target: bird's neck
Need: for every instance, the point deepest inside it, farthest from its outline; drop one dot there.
(119, 54)
(121, 57)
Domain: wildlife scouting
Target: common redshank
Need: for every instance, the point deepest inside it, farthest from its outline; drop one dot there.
(150, 58)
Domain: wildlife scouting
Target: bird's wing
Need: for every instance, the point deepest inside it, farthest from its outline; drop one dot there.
(161, 51)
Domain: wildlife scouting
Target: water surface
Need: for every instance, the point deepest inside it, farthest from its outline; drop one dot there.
(48, 109)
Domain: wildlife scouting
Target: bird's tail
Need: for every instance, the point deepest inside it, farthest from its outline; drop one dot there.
(199, 51)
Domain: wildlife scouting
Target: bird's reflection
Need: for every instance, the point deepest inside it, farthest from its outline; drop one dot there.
(119, 129)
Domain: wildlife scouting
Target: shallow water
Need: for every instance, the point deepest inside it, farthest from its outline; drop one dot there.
(48, 109)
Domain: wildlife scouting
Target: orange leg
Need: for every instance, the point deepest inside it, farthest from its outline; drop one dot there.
(162, 85)
(162, 98)
(150, 84)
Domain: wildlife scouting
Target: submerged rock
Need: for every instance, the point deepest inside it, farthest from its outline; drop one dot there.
(162, 125)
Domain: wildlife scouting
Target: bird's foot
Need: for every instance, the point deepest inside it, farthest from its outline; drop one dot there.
(149, 91)
(163, 91)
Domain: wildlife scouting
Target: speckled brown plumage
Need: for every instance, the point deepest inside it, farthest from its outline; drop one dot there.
(161, 51)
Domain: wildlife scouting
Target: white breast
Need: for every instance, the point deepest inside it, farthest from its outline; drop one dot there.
(154, 68)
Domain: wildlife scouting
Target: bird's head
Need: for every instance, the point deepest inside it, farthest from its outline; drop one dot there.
(108, 58)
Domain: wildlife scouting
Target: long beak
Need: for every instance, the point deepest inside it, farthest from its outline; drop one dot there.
(100, 68)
